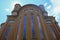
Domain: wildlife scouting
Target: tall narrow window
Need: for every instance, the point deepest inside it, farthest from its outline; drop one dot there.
(7, 32)
(24, 32)
(52, 31)
(41, 32)
(32, 24)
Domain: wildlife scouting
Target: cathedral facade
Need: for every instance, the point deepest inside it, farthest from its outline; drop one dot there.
(30, 22)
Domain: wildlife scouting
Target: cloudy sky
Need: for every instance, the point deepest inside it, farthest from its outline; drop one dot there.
(52, 7)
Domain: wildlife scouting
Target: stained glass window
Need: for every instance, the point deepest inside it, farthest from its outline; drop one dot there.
(7, 32)
(41, 32)
(52, 31)
(24, 32)
(33, 30)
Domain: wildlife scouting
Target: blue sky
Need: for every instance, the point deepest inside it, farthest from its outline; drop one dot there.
(52, 7)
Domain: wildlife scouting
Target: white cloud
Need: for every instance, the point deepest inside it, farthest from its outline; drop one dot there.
(7, 10)
(13, 3)
(49, 7)
(45, 4)
(59, 24)
(56, 2)
(56, 9)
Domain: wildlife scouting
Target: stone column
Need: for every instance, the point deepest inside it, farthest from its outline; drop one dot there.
(36, 27)
(5, 26)
(28, 28)
(21, 28)
(45, 28)
(56, 31)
